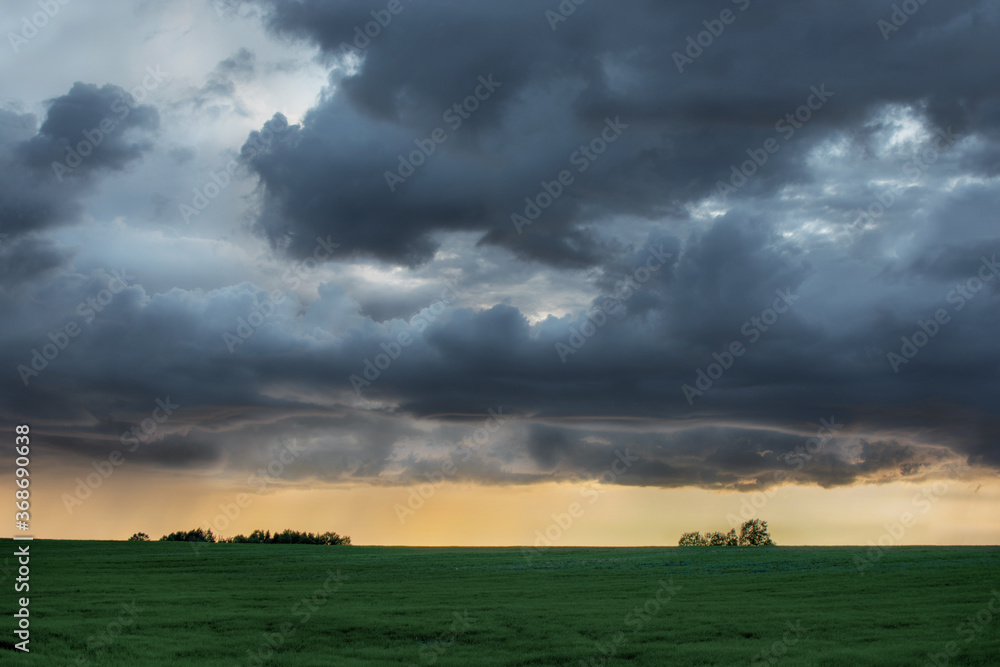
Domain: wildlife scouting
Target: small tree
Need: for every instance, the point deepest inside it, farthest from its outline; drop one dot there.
(754, 533)
(716, 539)
(692, 540)
(139, 537)
(731, 539)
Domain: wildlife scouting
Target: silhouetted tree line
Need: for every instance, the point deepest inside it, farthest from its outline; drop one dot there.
(256, 537)
(196, 535)
(753, 533)
(289, 537)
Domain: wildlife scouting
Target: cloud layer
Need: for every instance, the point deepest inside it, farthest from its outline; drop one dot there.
(660, 228)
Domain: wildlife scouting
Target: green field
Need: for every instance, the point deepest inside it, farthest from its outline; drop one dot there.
(161, 603)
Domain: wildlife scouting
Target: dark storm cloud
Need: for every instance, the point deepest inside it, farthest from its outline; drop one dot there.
(704, 274)
(951, 262)
(171, 451)
(548, 446)
(28, 201)
(30, 258)
(89, 131)
(733, 458)
(146, 347)
(685, 130)
(77, 117)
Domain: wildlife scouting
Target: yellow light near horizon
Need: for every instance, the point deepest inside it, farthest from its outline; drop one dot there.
(473, 515)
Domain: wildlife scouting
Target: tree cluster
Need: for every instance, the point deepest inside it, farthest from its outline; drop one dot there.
(753, 533)
(289, 537)
(256, 537)
(196, 535)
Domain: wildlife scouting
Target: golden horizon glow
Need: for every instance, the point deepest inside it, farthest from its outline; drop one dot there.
(455, 514)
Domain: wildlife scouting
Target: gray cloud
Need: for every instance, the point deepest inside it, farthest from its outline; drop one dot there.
(87, 132)
(685, 130)
(77, 117)
(718, 263)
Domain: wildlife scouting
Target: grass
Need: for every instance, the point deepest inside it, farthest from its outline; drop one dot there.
(490, 606)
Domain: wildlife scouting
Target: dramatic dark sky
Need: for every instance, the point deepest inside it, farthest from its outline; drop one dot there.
(639, 226)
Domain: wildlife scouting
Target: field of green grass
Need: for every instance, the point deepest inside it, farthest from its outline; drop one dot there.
(164, 603)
